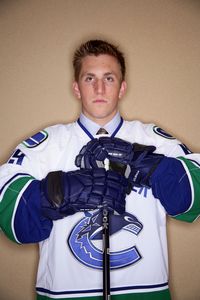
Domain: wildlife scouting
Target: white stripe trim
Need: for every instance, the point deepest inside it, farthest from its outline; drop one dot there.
(191, 184)
(32, 139)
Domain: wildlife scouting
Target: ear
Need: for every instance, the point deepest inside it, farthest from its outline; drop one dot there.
(76, 90)
(122, 90)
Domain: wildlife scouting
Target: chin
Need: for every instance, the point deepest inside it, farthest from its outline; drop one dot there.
(101, 116)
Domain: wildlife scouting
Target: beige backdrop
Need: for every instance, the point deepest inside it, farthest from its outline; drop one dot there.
(161, 39)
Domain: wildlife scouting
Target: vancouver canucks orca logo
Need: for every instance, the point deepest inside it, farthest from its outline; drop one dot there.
(84, 238)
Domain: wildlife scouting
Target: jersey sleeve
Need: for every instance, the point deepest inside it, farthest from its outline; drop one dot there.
(20, 212)
(176, 181)
(191, 164)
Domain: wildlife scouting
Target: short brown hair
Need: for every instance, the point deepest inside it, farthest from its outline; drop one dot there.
(97, 47)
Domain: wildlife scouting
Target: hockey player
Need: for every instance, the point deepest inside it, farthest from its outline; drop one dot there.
(53, 188)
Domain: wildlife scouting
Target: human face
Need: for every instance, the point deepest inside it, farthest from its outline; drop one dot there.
(99, 87)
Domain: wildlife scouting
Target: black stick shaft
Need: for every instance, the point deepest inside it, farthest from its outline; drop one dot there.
(106, 235)
(106, 256)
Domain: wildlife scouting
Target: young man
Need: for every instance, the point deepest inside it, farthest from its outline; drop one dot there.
(54, 186)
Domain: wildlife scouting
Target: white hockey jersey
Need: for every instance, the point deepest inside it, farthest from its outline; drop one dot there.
(70, 264)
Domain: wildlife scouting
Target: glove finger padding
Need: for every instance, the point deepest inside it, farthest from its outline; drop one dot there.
(115, 193)
(143, 164)
(90, 154)
(96, 151)
(64, 194)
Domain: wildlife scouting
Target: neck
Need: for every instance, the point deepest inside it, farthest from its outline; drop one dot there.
(101, 121)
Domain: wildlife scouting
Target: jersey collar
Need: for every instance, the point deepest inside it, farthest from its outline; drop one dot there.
(90, 127)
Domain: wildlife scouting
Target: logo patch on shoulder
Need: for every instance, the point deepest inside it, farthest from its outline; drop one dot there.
(163, 133)
(36, 139)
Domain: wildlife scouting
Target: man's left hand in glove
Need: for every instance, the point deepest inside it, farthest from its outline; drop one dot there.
(139, 161)
(144, 167)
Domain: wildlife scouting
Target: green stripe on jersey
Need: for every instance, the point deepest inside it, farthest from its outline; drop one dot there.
(7, 205)
(159, 295)
(194, 211)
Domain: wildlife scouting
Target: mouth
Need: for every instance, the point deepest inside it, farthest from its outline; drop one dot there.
(99, 101)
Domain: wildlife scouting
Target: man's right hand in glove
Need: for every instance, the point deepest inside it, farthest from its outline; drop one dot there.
(65, 193)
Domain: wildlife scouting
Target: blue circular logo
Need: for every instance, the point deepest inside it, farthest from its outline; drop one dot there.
(89, 229)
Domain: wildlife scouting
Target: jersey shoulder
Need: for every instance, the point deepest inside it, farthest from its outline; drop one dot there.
(52, 135)
(40, 152)
(41, 143)
(148, 130)
(152, 134)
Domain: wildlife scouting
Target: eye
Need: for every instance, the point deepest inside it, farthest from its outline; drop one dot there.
(109, 78)
(89, 78)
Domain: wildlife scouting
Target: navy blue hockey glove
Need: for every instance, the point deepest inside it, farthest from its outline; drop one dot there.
(96, 151)
(138, 161)
(143, 165)
(63, 194)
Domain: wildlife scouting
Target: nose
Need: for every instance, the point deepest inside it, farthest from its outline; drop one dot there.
(99, 86)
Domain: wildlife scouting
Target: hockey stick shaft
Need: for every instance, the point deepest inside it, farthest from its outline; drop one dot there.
(106, 249)
(106, 256)
(119, 168)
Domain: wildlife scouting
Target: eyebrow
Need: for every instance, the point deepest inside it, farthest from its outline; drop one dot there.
(88, 74)
(93, 75)
(110, 73)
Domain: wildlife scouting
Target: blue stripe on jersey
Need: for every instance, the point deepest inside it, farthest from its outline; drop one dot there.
(85, 129)
(185, 149)
(138, 287)
(118, 128)
(171, 185)
(29, 225)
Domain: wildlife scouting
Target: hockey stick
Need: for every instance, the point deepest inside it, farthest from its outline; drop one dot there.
(106, 256)
(106, 248)
(120, 168)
